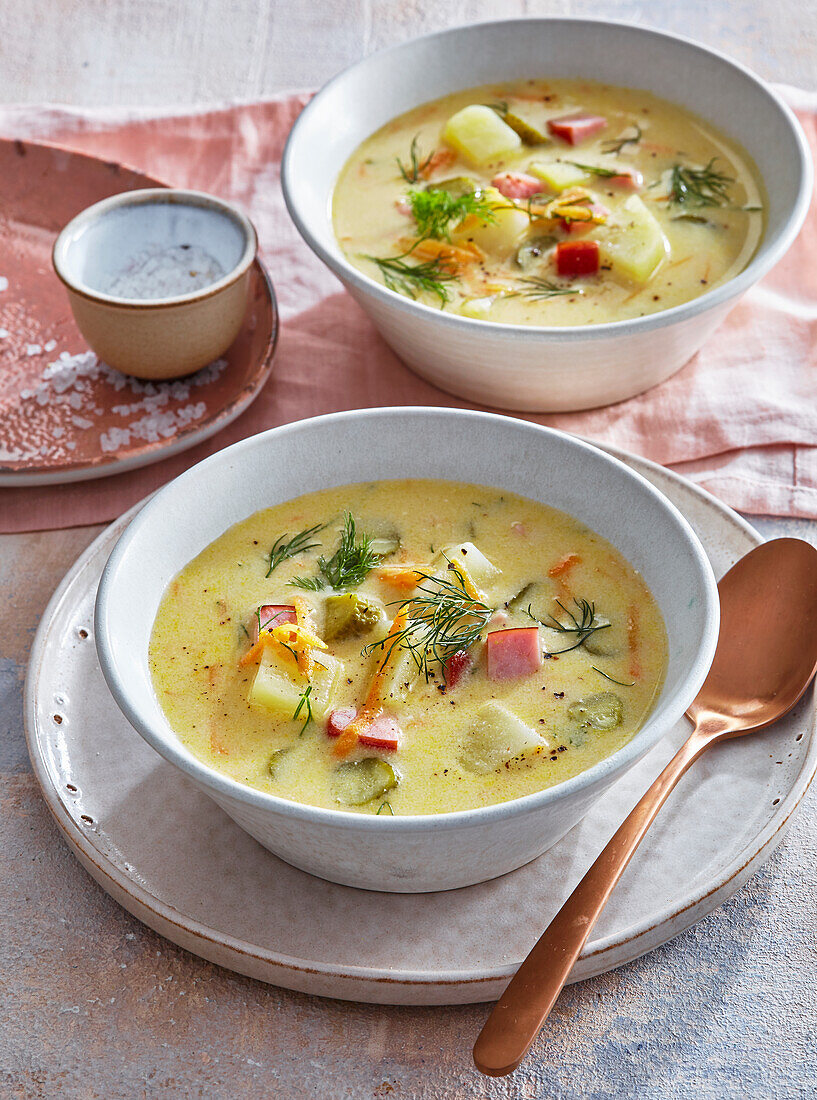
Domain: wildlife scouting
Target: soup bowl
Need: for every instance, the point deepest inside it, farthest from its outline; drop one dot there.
(405, 853)
(528, 367)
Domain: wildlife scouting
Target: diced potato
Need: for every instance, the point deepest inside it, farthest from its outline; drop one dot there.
(401, 675)
(480, 135)
(500, 237)
(325, 680)
(277, 688)
(632, 242)
(274, 687)
(472, 561)
(495, 737)
(557, 175)
(478, 308)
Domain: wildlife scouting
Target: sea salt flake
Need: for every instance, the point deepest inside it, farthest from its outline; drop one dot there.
(4, 283)
(33, 349)
(50, 345)
(4, 332)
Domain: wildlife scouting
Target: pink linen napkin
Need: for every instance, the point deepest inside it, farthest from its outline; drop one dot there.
(740, 419)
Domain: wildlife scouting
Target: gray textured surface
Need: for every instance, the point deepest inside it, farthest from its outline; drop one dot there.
(92, 1005)
(99, 52)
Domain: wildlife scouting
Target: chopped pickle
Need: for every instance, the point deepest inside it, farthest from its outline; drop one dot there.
(597, 712)
(601, 643)
(349, 615)
(529, 134)
(359, 781)
(276, 759)
(533, 252)
(457, 186)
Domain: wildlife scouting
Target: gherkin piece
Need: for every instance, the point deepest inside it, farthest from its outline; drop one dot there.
(529, 134)
(532, 252)
(601, 643)
(349, 615)
(275, 760)
(359, 781)
(603, 711)
(456, 186)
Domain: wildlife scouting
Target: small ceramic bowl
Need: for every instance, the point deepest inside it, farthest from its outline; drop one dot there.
(437, 851)
(149, 336)
(532, 368)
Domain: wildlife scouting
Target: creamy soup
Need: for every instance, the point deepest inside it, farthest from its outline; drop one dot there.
(559, 202)
(407, 647)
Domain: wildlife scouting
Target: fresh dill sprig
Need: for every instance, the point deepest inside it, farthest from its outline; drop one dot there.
(411, 279)
(309, 584)
(384, 806)
(705, 186)
(583, 626)
(298, 544)
(617, 144)
(416, 165)
(621, 683)
(437, 211)
(538, 289)
(594, 170)
(501, 106)
(304, 701)
(353, 560)
(442, 618)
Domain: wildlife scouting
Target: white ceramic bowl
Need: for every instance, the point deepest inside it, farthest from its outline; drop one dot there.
(548, 368)
(156, 338)
(441, 851)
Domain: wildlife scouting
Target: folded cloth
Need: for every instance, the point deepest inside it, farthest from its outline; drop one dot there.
(740, 419)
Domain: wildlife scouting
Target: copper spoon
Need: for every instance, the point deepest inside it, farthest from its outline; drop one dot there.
(765, 659)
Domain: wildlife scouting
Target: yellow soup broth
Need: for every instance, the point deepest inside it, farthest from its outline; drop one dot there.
(649, 208)
(532, 574)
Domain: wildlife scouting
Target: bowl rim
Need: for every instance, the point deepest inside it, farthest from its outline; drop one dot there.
(154, 196)
(169, 746)
(769, 251)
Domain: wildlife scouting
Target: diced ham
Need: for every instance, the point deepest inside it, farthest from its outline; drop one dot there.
(456, 667)
(382, 732)
(577, 127)
(517, 185)
(630, 179)
(272, 614)
(513, 653)
(339, 719)
(519, 529)
(577, 257)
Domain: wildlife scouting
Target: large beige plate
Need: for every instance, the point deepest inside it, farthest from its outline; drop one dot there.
(172, 858)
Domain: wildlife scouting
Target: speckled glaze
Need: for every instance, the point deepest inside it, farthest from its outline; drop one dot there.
(156, 338)
(517, 366)
(404, 853)
(48, 434)
(151, 839)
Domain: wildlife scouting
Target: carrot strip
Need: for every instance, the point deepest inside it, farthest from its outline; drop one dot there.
(564, 565)
(400, 576)
(450, 256)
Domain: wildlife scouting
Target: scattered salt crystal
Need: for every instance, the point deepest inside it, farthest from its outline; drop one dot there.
(58, 433)
(4, 332)
(33, 349)
(81, 422)
(4, 283)
(50, 345)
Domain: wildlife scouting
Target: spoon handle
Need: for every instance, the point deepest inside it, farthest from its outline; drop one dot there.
(524, 1006)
